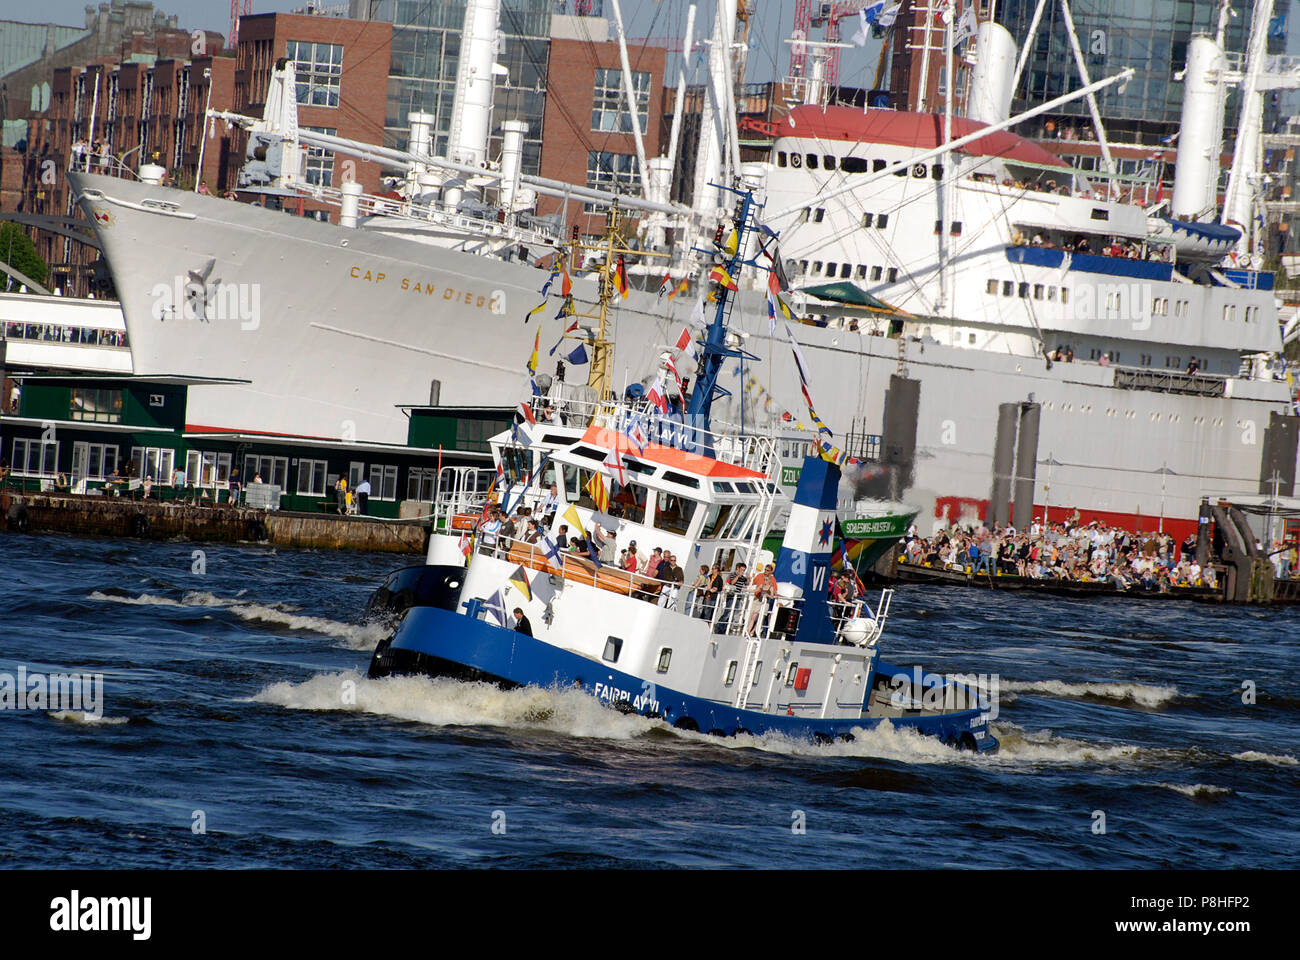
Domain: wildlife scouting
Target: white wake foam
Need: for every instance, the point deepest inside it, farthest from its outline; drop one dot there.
(356, 636)
(89, 719)
(1145, 695)
(1279, 760)
(449, 703)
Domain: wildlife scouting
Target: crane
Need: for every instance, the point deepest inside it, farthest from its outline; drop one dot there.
(827, 15)
(238, 8)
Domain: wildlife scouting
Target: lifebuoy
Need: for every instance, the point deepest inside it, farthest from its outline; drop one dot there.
(139, 525)
(257, 531)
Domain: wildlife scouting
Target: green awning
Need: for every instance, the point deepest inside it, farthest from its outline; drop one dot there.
(847, 293)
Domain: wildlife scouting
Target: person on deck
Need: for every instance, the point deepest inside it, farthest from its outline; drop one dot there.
(521, 623)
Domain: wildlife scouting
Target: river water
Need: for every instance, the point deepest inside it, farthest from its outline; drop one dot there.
(237, 728)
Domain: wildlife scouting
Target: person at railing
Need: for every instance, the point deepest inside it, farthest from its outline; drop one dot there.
(532, 533)
(490, 530)
(550, 504)
(764, 593)
(698, 587)
(653, 564)
(1193, 367)
(562, 537)
(675, 577)
(709, 604)
(635, 562)
(522, 624)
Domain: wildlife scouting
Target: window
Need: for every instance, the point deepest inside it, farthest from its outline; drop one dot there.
(758, 672)
(877, 273)
(831, 268)
(272, 470)
(1038, 291)
(819, 215)
(206, 468)
(817, 267)
(609, 112)
(1008, 288)
(356, 471)
(96, 406)
(893, 274)
(1051, 294)
(867, 219)
(665, 658)
(311, 478)
(861, 273)
(614, 172)
(882, 221)
(853, 165)
(714, 519)
(991, 287)
(319, 165)
(420, 484)
(35, 458)
(673, 513)
(878, 165)
(93, 461)
(155, 462)
(1065, 295)
(791, 674)
(844, 270)
(613, 647)
(936, 171)
(383, 482)
(828, 162)
(812, 161)
(318, 67)
(1024, 291)
(781, 158)
(955, 228)
(731, 674)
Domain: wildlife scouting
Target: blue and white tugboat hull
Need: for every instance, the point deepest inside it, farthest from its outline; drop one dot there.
(442, 643)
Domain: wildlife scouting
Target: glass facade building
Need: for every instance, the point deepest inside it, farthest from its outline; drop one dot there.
(1149, 35)
(425, 55)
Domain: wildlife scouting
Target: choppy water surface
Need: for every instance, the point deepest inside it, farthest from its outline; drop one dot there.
(241, 693)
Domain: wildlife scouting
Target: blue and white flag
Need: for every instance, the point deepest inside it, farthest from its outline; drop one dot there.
(550, 548)
(495, 607)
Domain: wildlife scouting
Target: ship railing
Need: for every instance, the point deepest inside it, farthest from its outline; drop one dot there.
(1195, 384)
(674, 429)
(455, 221)
(580, 568)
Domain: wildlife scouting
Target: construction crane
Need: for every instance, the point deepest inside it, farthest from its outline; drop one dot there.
(238, 8)
(817, 13)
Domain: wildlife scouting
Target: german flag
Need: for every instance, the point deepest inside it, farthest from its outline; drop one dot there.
(680, 288)
(620, 278)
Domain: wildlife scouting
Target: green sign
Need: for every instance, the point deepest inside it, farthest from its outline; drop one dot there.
(790, 476)
(876, 527)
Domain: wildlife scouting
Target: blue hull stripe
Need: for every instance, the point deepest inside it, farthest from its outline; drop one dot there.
(509, 656)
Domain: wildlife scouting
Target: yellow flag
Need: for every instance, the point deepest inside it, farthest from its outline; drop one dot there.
(574, 519)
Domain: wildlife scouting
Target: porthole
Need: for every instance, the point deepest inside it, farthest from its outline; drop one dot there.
(731, 674)
(665, 658)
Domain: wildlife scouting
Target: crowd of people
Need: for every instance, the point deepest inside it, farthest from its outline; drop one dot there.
(56, 333)
(1069, 551)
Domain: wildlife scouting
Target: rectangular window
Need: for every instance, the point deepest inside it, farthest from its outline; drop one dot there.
(877, 273)
(317, 68)
(420, 484)
(34, 458)
(862, 271)
(96, 406)
(1008, 288)
(272, 470)
(609, 113)
(819, 215)
(613, 172)
(94, 461)
(781, 158)
(311, 478)
(383, 482)
(991, 287)
(1038, 291)
(893, 274)
(319, 165)
(154, 463)
(673, 513)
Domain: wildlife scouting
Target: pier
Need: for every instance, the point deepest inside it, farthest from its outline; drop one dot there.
(175, 520)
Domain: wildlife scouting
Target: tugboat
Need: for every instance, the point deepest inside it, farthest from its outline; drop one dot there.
(550, 606)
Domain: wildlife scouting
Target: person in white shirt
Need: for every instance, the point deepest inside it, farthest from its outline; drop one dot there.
(550, 504)
(363, 496)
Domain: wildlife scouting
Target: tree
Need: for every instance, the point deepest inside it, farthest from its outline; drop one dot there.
(17, 250)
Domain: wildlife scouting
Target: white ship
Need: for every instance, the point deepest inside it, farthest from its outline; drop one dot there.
(972, 253)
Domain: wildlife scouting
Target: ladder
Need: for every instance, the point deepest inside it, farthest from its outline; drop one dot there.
(747, 673)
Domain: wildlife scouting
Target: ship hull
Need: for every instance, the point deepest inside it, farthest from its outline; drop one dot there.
(435, 642)
(351, 325)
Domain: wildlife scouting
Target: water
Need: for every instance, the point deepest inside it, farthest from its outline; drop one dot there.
(224, 708)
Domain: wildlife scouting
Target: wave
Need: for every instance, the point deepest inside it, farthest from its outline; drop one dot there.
(1254, 756)
(88, 719)
(1017, 745)
(1144, 695)
(356, 636)
(1197, 791)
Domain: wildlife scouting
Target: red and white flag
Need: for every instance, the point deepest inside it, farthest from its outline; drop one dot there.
(672, 368)
(684, 340)
(615, 464)
(526, 411)
(466, 544)
(666, 285)
(657, 397)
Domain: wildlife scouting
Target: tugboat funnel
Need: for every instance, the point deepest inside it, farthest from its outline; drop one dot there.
(803, 565)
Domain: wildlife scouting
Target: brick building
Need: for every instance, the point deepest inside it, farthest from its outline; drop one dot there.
(587, 127)
(342, 70)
